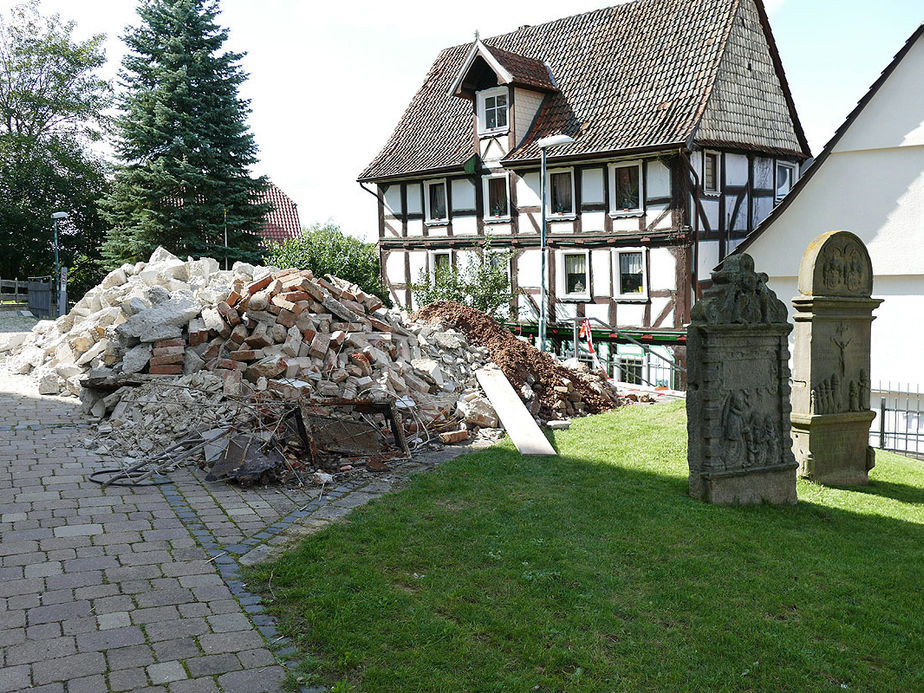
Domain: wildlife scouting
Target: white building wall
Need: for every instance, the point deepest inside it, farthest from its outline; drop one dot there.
(871, 184)
(526, 104)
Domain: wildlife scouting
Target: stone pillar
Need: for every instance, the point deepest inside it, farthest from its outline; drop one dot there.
(739, 450)
(831, 375)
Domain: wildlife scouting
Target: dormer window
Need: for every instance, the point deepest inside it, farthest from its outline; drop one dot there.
(493, 111)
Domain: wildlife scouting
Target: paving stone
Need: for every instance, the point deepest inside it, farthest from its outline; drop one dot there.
(116, 619)
(226, 623)
(78, 530)
(128, 657)
(165, 672)
(178, 648)
(87, 684)
(66, 668)
(217, 643)
(202, 685)
(211, 665)
(37, 650)
(14, 678)
(108, 639)
(128, 679)
(267, 680)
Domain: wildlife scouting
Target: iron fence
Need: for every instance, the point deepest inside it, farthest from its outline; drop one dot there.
(899, 422)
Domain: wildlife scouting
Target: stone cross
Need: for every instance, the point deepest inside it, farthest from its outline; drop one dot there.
(831, 385)
(739, 450)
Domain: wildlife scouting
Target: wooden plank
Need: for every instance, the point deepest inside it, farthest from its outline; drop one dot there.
(519, 424)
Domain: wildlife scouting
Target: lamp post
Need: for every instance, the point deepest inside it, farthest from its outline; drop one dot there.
(544, 144)
(58, 216)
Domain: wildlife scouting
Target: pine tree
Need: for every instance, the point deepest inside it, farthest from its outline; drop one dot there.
(183, 141)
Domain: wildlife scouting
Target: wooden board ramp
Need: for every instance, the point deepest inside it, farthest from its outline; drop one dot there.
(518, 422)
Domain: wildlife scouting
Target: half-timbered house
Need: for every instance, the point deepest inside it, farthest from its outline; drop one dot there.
(685, 136)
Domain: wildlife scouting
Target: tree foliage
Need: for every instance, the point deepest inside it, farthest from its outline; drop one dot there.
(325, 249)
(51, 105)
(183, 141)
(482, 282)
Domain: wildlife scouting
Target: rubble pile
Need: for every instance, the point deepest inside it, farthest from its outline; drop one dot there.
(549, 389)
(254, 329)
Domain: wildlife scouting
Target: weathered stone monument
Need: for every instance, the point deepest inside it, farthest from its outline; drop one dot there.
(831, 382)
(738, 406)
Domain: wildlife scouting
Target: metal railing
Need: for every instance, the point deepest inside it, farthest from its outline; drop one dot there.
(654, 368)
(899, 422)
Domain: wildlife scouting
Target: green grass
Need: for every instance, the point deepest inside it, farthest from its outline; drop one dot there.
(595, 572)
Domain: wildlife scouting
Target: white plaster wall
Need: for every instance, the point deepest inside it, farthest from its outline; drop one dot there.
(631, 314)
(593, 221)
(592, 186)
(625, 224)
(762, 208)
(418, 260)
(708, 259)
(415, 227)
(600, 272)
(659, 304)
(529, 269)
(599, 311)
(438, 230)
(414, 198)
(463, 194)
(895, 116)
(662, 274)
(392, 226)
(559, 226)
(658, 183)
(736, 169)
(394, 267)
(504, 229)
(528, 190)
(527, 312)
(563, 311)
(393, 200)
(654, 211)
(763, 173)
(464, 226)
(494, 148)
(711, 208)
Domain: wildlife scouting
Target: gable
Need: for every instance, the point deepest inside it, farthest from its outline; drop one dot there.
(749, 104)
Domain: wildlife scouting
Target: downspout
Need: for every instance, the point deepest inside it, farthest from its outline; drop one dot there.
(382, 276)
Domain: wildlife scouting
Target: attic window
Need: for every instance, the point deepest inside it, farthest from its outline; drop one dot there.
(785, 178)
(711, 173)
(493, 110)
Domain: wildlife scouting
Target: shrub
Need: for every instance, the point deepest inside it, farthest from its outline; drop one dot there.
(325, 249)
(482, 283)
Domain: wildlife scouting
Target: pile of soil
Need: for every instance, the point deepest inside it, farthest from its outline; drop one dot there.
(523, 364)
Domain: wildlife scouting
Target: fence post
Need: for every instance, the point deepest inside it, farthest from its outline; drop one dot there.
(16, 290)
(882, 410)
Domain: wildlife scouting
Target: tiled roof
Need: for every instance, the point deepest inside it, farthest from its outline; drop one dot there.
(282, 220)
(527, 72)
(632, 77)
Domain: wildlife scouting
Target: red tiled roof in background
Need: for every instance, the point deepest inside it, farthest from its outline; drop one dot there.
(281, 221)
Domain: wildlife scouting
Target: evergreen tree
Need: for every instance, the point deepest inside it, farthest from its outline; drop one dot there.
(183, 141)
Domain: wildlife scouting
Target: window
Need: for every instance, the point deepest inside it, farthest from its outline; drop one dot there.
(576, 275)
(435, 200)
(561, 192)
(492, 110)
(631, 277)
(497, 198)
(626, 191)
(440, 260)
(785, 178)
(630, 370)
(711, 172)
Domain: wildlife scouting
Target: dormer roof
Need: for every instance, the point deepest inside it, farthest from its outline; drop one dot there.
(646, 75)
(509, 68)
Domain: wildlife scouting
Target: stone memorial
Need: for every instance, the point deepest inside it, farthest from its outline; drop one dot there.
(739, 449)
(831, 375)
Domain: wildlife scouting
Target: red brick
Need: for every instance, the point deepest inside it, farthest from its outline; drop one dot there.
(170, 343)
(260, 284)
(282, 303)
(167, 360)
(247, 354)
(166, 370)
(380, 325)
(286, 318)
(233, 298)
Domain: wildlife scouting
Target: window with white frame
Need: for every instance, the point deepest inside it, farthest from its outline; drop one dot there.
(631, 274)
(561, 192)
(712, 172)
(493, 110)
(435, 201)
(785, 178)
(626, 188)
(575, 267)
(440, 261)
(496, 197)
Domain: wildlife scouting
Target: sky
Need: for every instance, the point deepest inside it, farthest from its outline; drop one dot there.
(329, 81)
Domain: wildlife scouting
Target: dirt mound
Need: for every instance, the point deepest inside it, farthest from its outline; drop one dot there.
(559, 391)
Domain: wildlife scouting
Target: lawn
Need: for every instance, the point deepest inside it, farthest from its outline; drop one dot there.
(594, 571)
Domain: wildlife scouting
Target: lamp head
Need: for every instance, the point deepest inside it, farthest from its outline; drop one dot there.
(554, 141)
(60, 215)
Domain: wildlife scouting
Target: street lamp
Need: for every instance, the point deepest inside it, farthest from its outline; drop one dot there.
(544, 144)
(58, 216)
